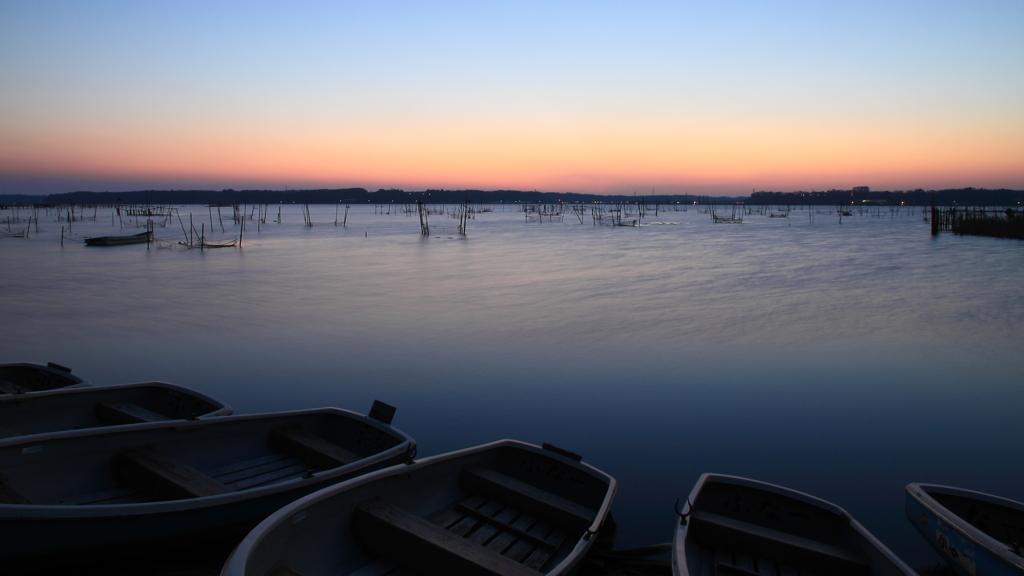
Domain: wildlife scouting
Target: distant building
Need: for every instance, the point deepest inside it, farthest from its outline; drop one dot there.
(862, 189)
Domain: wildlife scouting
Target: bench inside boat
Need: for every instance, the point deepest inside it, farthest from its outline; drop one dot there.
(148, 473)
(504, 527)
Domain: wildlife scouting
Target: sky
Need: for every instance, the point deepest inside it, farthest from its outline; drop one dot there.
(680, 97)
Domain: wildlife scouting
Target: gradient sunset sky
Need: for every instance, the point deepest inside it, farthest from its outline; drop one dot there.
(678, 97)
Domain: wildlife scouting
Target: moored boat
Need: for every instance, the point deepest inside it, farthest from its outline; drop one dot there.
(84, 495)
(976, 534)
(26, 377)
(505, 508)
(77, 408)
(745, 527)
(141, 238)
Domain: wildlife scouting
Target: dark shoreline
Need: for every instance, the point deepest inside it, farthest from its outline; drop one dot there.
(860, 197)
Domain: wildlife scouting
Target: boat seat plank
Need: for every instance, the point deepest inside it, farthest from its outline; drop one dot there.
(501, 542)
(781, 546)
(8, 494)
(524, 523)
(246, 465)
(507, 516)
(525, 497)
(449, 518)
(387, 531)
(120, 412)
(463, 527)
(483, 534)
(537, 558)
(271, 477)
(157, 475)
(298, 442)
(489, 509)
(519, 550)
(521, 525)
(260, 470)
(547, 534)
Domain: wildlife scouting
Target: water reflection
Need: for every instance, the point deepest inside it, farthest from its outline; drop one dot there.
(843, 360)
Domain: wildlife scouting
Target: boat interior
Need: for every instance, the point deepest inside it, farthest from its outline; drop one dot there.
(167, 470)
(25, 414)
(744, 531)
(492, 524)
(18, 379)
(999, 522)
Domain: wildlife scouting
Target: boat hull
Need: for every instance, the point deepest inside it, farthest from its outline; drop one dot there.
(28, 378)
(93, 407)
(326, 532)
(84, 504)
(966, 548)
(142, 238)
(738, 525)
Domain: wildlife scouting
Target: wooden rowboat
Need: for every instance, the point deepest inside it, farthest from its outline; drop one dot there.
(141, 238)
(505, 508)
(91, 494)
(975, 533)
(26, 377)
(745, 527)
(74, 409)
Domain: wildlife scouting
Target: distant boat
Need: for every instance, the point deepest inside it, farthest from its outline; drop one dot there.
(140, 238)
(107, 492)
(76, 408)
(975, 533)
(745, 527)
(26, 377)
(505, 508)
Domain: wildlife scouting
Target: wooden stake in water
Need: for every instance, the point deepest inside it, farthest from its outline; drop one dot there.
(61, 235)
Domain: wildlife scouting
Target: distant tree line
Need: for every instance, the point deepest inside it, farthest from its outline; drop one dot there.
(347, 196)
(919, 197)
(962, 196)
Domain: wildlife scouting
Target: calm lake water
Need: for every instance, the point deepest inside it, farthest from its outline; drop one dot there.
(841, 359)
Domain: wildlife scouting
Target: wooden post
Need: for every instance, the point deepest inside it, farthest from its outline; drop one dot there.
(935, 221)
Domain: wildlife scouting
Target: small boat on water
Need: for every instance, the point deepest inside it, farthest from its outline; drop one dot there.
(25, 377)
(975, 533)
(106, 492)
(501, 509)
(141, 238)
(745, 527)
(77, 408)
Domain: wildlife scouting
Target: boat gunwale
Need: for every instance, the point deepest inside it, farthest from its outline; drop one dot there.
(406, 445)
(679, 542)
(920, 492)
(235, 565)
